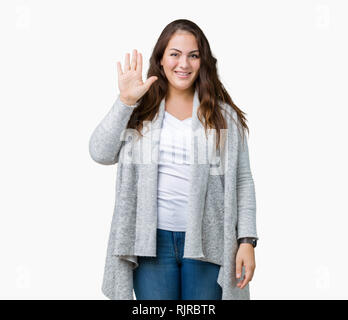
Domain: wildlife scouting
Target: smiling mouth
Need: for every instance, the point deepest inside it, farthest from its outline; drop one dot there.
(182, 75)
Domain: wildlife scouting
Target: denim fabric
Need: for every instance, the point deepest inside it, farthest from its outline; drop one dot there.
(169, 276)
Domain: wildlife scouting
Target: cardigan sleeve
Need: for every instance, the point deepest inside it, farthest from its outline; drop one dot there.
(106, 140)
(246, 224)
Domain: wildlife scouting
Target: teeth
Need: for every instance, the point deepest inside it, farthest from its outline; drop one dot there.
(183, 74)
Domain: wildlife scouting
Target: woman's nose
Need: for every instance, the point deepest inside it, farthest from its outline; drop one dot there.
(183, 61)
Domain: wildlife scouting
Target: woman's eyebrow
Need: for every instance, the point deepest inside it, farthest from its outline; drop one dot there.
(180, 51)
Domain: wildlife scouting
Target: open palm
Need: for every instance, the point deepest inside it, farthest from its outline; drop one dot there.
(130, 82)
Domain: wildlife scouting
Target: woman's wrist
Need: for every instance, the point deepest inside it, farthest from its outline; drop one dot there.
(126, 101)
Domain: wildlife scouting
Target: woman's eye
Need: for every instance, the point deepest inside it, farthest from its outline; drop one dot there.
(191, 55)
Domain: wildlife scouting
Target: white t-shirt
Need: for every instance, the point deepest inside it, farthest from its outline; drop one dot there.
(173, 173)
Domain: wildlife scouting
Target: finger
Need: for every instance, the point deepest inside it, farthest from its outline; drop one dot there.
(244, 283)
(126, 62)
(249, 271)
(134, 60)
(246, 280)
(239, 284)
(148, 83)
(238, 269)
(119, 69)
(139, 63)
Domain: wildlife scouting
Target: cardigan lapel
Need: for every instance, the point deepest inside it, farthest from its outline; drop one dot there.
(199, 174)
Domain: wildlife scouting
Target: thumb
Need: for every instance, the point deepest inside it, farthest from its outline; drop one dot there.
(148, 83)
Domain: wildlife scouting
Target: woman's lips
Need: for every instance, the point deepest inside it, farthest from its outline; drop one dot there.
(182, 76)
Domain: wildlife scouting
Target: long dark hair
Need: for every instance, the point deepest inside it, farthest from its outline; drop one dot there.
(209, 87)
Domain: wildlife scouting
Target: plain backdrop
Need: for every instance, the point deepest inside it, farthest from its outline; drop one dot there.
(284, 63)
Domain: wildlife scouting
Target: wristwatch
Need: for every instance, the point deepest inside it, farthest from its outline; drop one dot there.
(253, 241)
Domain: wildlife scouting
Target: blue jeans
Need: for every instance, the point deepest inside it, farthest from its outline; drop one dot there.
(169, 276)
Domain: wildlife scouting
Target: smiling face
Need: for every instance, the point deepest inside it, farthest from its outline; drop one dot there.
(181, 55)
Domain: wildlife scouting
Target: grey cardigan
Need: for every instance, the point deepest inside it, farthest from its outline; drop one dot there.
(222, 205)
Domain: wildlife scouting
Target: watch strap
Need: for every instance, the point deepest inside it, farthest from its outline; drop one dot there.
(250, 240)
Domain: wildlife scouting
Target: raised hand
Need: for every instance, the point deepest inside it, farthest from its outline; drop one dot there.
(130, 82)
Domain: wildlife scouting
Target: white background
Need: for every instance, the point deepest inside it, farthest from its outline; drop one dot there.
(283, 62)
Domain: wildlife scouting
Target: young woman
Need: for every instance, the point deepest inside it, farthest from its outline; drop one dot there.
(182, 228)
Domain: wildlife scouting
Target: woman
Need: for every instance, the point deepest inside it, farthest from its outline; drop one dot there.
(180, 230)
